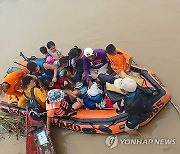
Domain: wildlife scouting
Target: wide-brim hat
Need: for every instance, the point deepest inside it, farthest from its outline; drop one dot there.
(126, 84)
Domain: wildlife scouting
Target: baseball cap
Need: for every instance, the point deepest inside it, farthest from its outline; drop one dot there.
(88, 52)
(126, 84)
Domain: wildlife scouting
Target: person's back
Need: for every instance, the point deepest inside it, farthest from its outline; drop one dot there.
(119, 59)
(13, 82)
(76, 57)
(43, 70)
(40, 95)
(138, 102)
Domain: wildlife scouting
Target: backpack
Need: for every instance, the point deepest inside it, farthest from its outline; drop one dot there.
(36, 112)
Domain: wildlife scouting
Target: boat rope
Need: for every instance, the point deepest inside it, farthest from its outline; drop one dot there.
(174, 105)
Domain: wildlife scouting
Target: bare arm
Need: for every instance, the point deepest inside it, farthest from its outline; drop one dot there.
(70, 93)
(129, 64)
(51, 67)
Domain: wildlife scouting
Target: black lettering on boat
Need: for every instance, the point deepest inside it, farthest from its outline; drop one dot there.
(77, 127)
(69, 125)
(156, 107)
(156, 78)
(160, 104)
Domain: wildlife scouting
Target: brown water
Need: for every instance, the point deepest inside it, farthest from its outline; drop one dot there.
(149, 30)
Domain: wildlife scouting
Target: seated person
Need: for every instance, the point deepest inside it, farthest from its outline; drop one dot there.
(43, 70)
(119, 60)
(60, 105)
(48, 58)
(40, 94)
(76, 57)
(12, 83)
(55, 53)
(66, 64)
(137, 101)
(94, 62)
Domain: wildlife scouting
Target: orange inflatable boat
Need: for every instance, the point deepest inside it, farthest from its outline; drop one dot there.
(107, 121)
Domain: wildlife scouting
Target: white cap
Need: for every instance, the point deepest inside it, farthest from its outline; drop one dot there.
(88, 52)
(126, 84)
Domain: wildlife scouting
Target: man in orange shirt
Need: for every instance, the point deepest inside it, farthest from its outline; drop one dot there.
(119, 60)
(12, 83)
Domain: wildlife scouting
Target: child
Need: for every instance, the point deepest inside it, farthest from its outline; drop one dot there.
(48, 58)
(55, 53)
(44, 51)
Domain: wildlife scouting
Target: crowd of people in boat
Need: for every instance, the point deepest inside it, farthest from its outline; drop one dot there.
(58, 85)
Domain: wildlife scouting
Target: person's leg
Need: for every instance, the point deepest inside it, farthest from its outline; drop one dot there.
(103, 69)
(132, 130)
(132, 124)
(77, 105)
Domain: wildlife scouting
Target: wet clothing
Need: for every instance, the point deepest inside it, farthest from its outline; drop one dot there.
(59, 109)
(99, 61)
(14, 80)
(40, 97)
(120, 60)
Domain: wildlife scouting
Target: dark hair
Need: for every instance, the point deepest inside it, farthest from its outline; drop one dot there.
(110, 49)
(31, 66)
(74, 52)
(8, 85)
(50, 44)
(43, 50)
(26, 81)
(63, 60)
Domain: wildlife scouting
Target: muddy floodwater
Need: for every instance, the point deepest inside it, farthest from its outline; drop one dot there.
(148, 30)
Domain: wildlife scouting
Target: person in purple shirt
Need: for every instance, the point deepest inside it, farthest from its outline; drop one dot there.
(94, 62)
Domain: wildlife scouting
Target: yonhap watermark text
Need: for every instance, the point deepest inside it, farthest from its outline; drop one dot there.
(112, 141)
